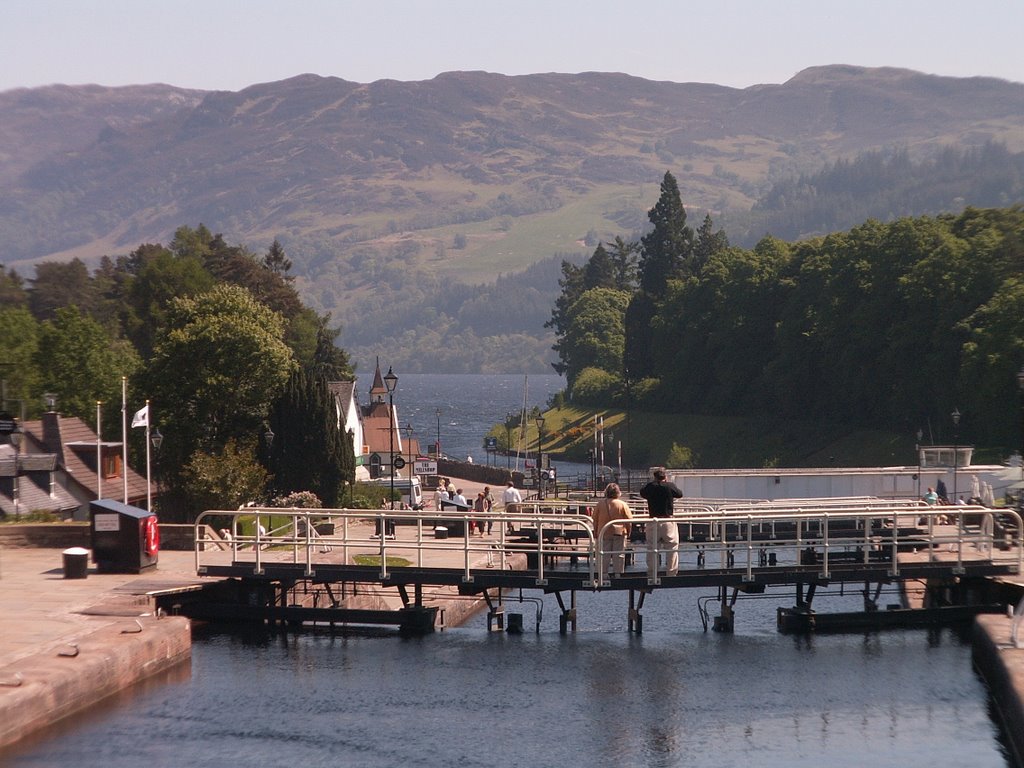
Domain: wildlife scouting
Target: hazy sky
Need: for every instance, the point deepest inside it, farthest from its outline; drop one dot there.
(229, 44)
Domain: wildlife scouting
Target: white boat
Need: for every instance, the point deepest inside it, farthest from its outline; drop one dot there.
(938, 466)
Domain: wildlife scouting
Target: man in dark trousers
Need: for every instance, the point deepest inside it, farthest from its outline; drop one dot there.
(662, 535)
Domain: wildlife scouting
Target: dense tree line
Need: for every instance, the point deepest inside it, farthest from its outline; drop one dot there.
(892, 325)
(882, 185)
(215, 337)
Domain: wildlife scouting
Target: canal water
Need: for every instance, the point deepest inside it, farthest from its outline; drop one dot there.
(674, 696)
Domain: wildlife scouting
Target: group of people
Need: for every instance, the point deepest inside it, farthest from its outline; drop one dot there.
(448, 494)
(611, 519)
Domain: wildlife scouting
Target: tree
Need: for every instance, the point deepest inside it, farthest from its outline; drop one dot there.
(599, 271)
(80, 363)
(595, 336)
(217, 365)
(309, 452)
(330, 362)
(276, 262)
(571, 284)
(707, 244)
(226, 478)
(19, 344)
(12, 289)
(666, 248)
(160, 277)
(664, 252)
(624, 257)
(60, 284)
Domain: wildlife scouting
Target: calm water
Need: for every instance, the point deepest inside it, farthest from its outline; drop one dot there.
(675, 696)
(470, 405)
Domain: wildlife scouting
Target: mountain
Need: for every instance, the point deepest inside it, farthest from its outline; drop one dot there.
(390, 193)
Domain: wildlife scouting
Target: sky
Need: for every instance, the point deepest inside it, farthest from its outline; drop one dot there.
(230, 44)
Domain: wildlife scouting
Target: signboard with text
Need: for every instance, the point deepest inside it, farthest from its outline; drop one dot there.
(425, 466)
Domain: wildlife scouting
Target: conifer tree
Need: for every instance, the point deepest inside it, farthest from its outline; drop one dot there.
(309, 452)
(664, 254)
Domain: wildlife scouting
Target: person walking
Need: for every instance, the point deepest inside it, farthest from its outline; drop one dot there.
(440, 494)
(659, 494)
(480, 507)
(613, 537)
(489, 507)
(511, 498)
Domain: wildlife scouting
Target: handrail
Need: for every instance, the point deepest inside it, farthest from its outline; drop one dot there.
(550, 530)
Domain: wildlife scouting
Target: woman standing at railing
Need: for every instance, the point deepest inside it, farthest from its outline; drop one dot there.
(613, 540)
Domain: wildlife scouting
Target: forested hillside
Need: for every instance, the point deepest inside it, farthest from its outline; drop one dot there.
(882, 185)
(890, 324)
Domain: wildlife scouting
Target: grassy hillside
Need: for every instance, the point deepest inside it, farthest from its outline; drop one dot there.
(721, 442)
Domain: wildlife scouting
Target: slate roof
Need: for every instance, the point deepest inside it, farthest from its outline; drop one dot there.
(37, 488)
(74, 444)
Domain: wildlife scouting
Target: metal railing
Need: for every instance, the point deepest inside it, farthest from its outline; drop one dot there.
(315, 537)
(816, 537)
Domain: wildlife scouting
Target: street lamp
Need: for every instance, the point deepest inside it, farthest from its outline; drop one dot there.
(156, 440)
(437, 445)
(956, 448)
(917, 448)
(540, 455)
(408, 439)
(508, 437)
(391, 381)
(16, 437)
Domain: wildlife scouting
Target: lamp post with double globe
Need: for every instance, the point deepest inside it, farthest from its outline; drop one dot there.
(391, 381)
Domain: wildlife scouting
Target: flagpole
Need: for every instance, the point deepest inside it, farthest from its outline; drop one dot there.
(124, 434)
(99, 453)
(149, 491)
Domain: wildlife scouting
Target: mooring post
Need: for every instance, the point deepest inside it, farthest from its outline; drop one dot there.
(636, 619)
(724, 622)
(567, 616)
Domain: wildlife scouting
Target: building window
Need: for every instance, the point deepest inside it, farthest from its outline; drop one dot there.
(111, 466)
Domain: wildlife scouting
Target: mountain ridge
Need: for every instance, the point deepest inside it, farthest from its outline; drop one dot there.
(378, 188)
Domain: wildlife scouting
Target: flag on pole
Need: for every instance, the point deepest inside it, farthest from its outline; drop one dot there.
(141, 417)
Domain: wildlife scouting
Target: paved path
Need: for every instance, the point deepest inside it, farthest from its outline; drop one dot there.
(40, 610)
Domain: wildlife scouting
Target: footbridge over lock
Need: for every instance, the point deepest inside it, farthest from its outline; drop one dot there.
(308, 565)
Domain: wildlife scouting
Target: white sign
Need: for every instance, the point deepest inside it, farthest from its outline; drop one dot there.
(103, 522)
(425, 466)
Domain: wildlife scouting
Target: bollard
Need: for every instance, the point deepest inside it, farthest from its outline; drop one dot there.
(514, 624)
(76, 563)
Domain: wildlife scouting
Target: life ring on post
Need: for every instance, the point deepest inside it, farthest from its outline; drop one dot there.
(152, 530)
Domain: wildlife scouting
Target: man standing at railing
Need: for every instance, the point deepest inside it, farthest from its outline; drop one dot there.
(665, 535)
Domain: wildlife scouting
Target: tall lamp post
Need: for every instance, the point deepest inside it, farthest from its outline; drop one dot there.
(391, 381)
(156, 440)
(540, 455)
(437, 445)
(408, 439)
(16, 437)
(917, 448)
(956, 447)
(508, 436)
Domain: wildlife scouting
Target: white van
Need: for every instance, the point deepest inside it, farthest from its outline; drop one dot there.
(411, 490)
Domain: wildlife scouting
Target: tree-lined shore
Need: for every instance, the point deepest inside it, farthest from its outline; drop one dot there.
(887, 325)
